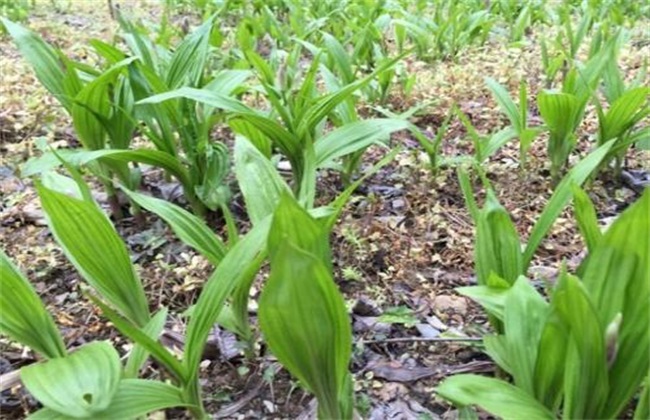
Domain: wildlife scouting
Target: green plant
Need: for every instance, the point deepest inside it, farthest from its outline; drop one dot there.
(107, 107)
(299, 136)
(88, 382)
(99, 102)
(576, 355)
(518, 115)
(563, 111)
(256, 174)
(500, 257)
(628, 105)
(15, 10)
(302, 313)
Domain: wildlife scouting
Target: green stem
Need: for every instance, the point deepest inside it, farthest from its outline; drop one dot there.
(193, 395)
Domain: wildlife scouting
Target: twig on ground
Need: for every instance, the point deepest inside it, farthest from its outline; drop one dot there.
(432, 339)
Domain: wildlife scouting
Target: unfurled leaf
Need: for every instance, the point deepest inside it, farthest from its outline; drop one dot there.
(616, 277)
(233, 269)
(586, 377)
(524, 316)
(356, 136)
(78, 385)
(498, 249)
(23, 316)
(190, 229)
(259, 181)
(45, 61)
(586, 216)
(91, 243)
(562, 194)
(303, 317)
(494, 396)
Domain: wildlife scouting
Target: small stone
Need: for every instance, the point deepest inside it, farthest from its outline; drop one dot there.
(269, 406)
(450, 303)
(427, 331)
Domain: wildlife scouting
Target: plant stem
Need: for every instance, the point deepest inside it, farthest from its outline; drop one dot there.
(193, 395)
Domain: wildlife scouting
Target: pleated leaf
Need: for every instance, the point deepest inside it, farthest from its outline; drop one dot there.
(305, 323)
(78, 385)
(525, 313)
(494, 396)
(585, 214)
(560, 112)
(585, 377)
(94, 247)
(189, 228)
(49, 161)
(356, 136)
(23, 316)
(626, 111)
(188, 61)
(498, 249)
(561, 196)
(233, 269)
(616, 277)
(260, 183)
(550, 367)
(44, 60)
(134, 399)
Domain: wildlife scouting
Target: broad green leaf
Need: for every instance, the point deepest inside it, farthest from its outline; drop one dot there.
(585, 377)
(496, 346)
(560, 112)
(139, 354)
(524, 316)
(49, 161)
(585, 214)
(91, 243)
(498, 249)
(133, 399)
(550, 366)
(305, 323)
(494, 396)
(44, 59)
(78, 385)
(23, 316)
(259, 181)
(616, 277)
(218, 288)
(562, 194)
(626, 111)
(506, 103)
(292, 223)
(339, 56)
(284, 139)
(190, 229)
(137, 397)
(491, 296)
(188, 61)
(354, 137)
(93, 102)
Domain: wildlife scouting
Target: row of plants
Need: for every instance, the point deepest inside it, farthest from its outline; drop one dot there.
(148, 103)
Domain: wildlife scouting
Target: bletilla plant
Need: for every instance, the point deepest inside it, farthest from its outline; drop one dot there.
(87, 382)
(579, 353)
